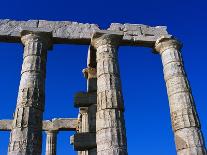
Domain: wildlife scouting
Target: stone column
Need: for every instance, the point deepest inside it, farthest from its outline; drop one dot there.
(91, 76)
(84, 119)
(26, 134)
(83, 124)
(185, 121)
(51, 142)
(110, 124)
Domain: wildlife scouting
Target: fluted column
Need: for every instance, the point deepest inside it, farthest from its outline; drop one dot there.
(110, 124)
(185, 121)
(84, 119)
(91, 76)
(26, 134)
(51, 142)
(83, 124)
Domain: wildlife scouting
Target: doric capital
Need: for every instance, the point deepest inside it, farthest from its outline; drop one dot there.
(51, 132)
(164, 43)
(83, 110)
(37, 35)
(104, 37)
(90, 73)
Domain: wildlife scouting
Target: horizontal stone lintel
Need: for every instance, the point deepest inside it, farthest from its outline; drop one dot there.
(80, 33)
(85, 99)
(57, 124)
(84, 141)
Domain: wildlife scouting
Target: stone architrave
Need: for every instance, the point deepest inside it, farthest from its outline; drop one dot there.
(110, 123)
(51, 142)
(26, 134)
(185, 121)
(58, 124)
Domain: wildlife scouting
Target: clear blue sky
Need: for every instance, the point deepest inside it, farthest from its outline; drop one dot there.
(147, 111)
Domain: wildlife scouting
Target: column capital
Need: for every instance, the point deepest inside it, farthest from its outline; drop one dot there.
(89, 73)
(166, 42)
(37, 35)
(83, 110)
(51, 131)
(105, 37)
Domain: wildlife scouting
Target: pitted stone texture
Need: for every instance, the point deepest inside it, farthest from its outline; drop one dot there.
(60, 124)
(81, 33)
(26, 134)
(51, 142)
(63, 31)
(110, 125)
(189, 138)
(112, 140)
(67, 30)
(139, 34)
(185, 121)
(10, 30)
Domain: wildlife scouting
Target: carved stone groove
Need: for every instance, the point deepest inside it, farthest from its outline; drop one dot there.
(185, 121)
(26, 134)
(110, 124)
(51, 142)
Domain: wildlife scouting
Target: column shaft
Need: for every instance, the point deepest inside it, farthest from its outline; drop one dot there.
(185, 121)
(51, 142)
(110, 124)
(83, 127)
(26, 134)
(91, 75)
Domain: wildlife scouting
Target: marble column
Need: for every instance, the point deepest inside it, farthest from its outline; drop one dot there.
(83, 124)
(185, 121)
(84, 119)
(26, 134)
(91, 76)
(110, 123)
(51, 142)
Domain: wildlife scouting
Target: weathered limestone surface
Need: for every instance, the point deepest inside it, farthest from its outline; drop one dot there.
(59, 124)
(51, 142)
(139, 34)
(74, 32)
(110, 124)
(185, 121)
(26, 134)
(101, 107)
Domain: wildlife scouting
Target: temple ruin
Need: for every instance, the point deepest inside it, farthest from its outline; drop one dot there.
(100, 124)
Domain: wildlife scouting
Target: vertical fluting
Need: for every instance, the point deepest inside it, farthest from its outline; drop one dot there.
(110, 124)
(90, 74)
(185, 121)
(84, 126)
(26, 134)
(51, 142)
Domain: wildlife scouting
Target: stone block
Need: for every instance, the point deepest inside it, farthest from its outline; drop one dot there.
(84, 141)
(83, 99)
